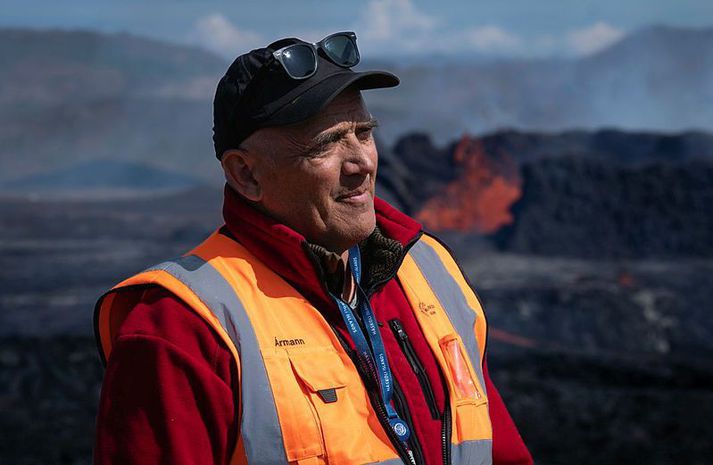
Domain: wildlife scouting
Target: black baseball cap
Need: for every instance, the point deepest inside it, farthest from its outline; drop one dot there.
(257, 92)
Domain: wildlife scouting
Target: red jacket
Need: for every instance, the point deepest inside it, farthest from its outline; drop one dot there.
(168, 396)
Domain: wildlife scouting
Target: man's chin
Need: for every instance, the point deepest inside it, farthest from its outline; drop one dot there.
(359, 227)
(364, 228)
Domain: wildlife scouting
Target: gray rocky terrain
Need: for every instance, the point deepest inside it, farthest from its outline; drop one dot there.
(599, 361)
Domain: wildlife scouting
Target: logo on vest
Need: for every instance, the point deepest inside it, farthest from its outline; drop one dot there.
(289, 342)
(400, 429)
(427, 309)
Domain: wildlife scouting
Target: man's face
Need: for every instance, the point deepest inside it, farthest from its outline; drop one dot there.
(318, 177)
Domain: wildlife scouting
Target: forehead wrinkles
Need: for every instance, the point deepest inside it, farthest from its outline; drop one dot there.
(305, 137)
(344, 113)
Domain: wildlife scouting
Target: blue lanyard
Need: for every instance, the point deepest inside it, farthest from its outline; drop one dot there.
(376, 355)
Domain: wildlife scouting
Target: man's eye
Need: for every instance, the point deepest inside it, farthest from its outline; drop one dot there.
(364, 134)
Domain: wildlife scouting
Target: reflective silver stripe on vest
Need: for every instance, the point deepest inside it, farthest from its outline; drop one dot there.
(260, 427)
(478, 452)
(452, 300)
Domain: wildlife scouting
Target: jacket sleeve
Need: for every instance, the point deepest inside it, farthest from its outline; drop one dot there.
(166, 397)
(508, 446)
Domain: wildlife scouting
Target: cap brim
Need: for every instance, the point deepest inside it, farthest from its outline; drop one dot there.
(310, 102)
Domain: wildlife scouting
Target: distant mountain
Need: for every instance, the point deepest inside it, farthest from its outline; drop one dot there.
(102, 175)
(72, 67)
(73, 96)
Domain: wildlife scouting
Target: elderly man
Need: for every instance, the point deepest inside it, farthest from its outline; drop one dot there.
(319, 324)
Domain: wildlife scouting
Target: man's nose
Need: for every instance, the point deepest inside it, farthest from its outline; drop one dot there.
(360, 159)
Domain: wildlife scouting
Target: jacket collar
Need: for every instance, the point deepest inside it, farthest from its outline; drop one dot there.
(311, 268)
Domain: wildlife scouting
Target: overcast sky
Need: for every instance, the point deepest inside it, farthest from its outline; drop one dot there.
(503, 28)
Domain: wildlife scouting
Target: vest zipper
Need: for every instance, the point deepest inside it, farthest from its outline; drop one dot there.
(446, 432)
(416, 366)
(374, 392)
(401, 408)
(368, 376)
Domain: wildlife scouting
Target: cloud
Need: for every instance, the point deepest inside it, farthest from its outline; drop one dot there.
(400, 27)
(591, 39)
(396, 25)
(390, 19)
(216, 33)
(492, 39)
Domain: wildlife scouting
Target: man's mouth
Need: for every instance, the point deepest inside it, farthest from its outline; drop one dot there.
(355, 196)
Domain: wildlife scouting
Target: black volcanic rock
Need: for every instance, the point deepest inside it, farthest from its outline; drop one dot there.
(415, 170)
(420, 155)
(609, 145)
(602, 410)
(587, 208)
(607, 193)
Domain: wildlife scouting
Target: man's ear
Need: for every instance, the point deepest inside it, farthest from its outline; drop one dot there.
(239, 166)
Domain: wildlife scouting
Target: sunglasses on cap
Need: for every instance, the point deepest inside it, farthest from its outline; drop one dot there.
(300, 60)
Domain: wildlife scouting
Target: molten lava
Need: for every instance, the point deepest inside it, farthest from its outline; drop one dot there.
(479, 200)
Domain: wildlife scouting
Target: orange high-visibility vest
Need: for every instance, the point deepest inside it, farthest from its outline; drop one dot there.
(287, 355)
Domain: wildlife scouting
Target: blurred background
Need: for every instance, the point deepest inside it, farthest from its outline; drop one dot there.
(563, 149)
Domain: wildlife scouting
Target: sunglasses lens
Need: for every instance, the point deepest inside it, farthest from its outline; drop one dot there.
(342, 50)
(299, 60)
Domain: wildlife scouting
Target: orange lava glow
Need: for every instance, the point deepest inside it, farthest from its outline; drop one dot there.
(626, 279)
(479, 200)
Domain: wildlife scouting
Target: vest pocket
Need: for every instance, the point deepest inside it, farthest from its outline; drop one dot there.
(466, 386)
(344, 423)
(299, 422)
(471, 417)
